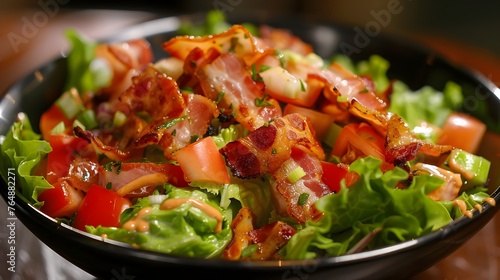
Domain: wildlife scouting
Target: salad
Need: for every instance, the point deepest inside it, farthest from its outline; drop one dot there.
(242, 144)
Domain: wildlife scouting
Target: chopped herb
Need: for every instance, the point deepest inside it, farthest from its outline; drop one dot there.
(264, 68)
(249, 250)
(261, 102)
(187, 89)
(296, 174)
(254, 72)
(302, 85)
(219, 97)
(363, 91)
(342, 99)
(174, 132)
(170, 123)
(194, 138)
(281, 58)
(234, 42)
(273, 151)
(303, 199)
(110, 165)
(108, 185)
(255, 75)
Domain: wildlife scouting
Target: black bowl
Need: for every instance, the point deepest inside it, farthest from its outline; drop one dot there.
(410, 63)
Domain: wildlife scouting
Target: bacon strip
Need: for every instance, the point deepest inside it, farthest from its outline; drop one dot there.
(228, 76)
(402, 145)
(236, 39)
(125, 60)
(153, 92)
(268, 147)
(283, 39)
(340, 82)
(288, 193)
(193, 122)
(241, 225)
(111, 152)
(271, 238)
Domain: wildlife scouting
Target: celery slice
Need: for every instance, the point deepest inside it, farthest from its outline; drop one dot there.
(70, 103)
(473, 169)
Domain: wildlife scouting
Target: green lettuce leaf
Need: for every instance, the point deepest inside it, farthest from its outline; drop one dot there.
(22, 149)
(373, 203)
(425, 105)
(183, 231)
(85, 72)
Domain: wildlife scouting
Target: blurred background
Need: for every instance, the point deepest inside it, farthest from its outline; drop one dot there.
(472, 24)
(32, 33)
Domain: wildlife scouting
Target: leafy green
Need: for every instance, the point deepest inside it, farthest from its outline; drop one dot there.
(425, 104)
(375, 67)
(185, 230)
(372, 203)
(215, 23)
(85, 72)
(22, 149)
(230, 134)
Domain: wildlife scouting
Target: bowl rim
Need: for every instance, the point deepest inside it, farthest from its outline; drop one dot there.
(170, 24)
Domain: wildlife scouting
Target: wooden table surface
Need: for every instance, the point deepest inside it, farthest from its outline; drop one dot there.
(28, 40)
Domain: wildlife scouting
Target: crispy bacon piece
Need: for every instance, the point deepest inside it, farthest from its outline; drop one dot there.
(241, 225)
(310, 186)
(112, 152)
(236, 39)
(268, 147)
(195, 59)
(173, 134)
(228, 76)
(282, 39)
(125, 60)
(271, 238)
(152, 92)
(83, 173)
(402, 145)
(340, 82)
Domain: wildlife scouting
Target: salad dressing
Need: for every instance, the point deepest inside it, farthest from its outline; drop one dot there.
(138, 222)
(454, 165)
(490, 200)
(209, 210)
(463, 207)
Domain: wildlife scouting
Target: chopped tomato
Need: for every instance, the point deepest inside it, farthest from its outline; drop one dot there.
(360, 140)
(334, 173)
(60, 201)
(100, 207)
(462, 131)
(202, 162)
(64, 150)
(50, 119)
(320, 121)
